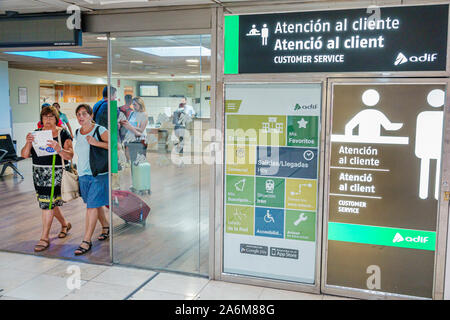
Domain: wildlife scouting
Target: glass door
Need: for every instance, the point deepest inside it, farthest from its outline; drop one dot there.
(160, 199)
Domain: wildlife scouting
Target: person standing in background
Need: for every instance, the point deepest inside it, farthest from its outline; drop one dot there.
(100, 109)
(124, 113)
(63, 118)
(188, 109)
(136, 137)
(179, 120)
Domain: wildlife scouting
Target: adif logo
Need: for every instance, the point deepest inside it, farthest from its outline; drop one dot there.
(398, 238)
(419, 239)
(400, 59)
(427, 57)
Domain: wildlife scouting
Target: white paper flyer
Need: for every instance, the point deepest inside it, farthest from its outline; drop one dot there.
(40, 143)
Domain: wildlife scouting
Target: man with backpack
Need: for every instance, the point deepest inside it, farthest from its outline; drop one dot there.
(101, 107)
(123, 113)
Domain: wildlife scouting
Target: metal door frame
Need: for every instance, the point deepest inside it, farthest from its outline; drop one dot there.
(389, 76)
(177, 29)
(257, 281)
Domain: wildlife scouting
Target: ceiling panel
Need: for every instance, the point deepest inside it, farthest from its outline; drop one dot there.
(152, 68)
(30, 6)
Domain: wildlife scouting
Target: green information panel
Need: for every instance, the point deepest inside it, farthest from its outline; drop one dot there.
(300, 225)
(270, 192)
(271, 180)
(240, 190)
(303, 131)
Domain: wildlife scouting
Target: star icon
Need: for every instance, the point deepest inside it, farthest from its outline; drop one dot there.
(302, 123)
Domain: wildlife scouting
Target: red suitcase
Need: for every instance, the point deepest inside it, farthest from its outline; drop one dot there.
(129, 207)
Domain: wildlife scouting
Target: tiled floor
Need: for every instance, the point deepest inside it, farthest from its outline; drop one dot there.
(31, 277)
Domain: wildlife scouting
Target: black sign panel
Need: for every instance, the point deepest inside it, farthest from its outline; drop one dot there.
(410, 38)
(39, 31)
(385, 163)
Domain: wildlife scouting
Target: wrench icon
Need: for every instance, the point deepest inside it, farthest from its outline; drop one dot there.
(301, 218)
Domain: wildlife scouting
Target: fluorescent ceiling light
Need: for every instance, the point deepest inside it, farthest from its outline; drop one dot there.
(137, 61)
(192, 61)
(105, 38)
(87, 62)
(193, 65)
(186, 51)
(53, 55)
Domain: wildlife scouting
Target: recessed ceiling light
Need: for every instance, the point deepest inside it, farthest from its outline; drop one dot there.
(192, 61)
(184, 51)
(57, 54)
(105, 38)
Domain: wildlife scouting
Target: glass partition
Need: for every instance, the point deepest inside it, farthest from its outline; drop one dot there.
(160, 198)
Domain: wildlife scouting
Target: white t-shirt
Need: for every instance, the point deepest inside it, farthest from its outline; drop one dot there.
(82, 149)
(189, 110)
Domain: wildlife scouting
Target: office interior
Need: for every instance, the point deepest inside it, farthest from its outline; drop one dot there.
(174, 237)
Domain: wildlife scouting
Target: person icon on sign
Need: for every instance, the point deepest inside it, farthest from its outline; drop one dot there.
(369, 123)
(253, 31)
(264, 34)
(429, 129)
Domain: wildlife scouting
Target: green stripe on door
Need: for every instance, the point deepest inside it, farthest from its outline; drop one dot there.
(383, 236)
(113, 136)
(231, 63)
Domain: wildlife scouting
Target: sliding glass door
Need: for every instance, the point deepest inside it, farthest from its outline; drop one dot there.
(160, 192)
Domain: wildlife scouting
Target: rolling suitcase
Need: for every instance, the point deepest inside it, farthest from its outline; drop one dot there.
(129, 207)
(140, 175)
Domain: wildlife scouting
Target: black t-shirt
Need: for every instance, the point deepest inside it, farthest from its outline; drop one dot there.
(48, 160)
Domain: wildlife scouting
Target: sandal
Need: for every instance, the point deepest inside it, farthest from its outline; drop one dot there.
(83, 250)
(40, 247)
(63, 234)
(104, 235)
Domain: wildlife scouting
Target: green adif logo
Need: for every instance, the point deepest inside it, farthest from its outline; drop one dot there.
(305, 107)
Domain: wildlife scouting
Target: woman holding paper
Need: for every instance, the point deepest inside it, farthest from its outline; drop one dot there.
(49, 197)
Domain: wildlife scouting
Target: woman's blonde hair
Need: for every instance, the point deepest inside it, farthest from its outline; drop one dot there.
(140, 102)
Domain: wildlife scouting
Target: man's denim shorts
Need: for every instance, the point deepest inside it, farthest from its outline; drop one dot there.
(95, 190)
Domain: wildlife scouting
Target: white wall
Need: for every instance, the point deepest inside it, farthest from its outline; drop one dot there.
(5, 110)
(190, 89)
(26, 116)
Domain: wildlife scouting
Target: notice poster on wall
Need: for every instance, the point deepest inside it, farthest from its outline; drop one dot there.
(272, 139)
(385, 157)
